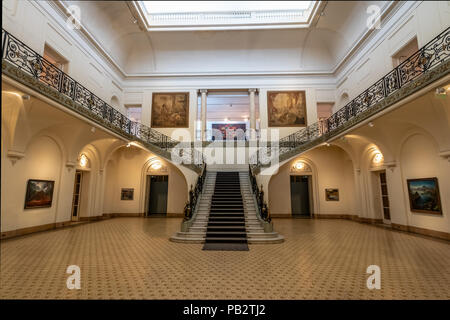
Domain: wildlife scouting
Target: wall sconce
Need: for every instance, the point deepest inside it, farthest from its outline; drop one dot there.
(299, 165)
(441, 91)
(83, 161)
(378, 157)
(156, 165)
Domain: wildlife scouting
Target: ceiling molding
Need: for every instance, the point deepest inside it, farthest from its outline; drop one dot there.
(388, 11)
(346, 67)
(61, 8)
(362, 40)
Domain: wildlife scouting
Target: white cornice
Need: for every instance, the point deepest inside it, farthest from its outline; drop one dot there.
(375, 38)
(61, 9)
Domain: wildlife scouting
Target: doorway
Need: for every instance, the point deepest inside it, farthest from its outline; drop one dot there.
(76, 199)
(157, 198)
(385, 198)
(300, 196)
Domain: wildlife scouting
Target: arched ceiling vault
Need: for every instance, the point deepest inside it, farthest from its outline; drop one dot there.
(318, 48)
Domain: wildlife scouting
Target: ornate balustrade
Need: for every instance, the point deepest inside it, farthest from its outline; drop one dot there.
(432, 59)
(194, 194)
(25, 59)
(262, 208)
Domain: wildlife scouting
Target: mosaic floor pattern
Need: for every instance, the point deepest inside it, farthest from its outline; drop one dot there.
(132, 258)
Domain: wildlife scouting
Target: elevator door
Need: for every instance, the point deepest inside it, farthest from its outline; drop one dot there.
(158, 195)
(300, 196)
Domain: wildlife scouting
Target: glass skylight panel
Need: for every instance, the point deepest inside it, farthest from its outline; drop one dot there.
(188, 14)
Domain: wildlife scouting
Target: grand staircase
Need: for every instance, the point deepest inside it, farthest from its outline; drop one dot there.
(226, 222)
(212, 224)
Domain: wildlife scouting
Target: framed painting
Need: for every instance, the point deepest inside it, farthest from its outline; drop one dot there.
(39, 194)
(331, 194)
(170, 110)
(127, 194)
(228, 131)
(424, 195)
(286, 108)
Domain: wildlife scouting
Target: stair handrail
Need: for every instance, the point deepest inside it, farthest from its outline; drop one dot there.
(262, 208)
(432, 54)
(17, 53)
(194, 194)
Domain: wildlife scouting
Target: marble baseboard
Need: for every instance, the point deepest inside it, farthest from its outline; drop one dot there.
(422, 231)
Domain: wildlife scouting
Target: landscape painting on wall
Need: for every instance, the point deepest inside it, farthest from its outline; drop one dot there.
(170, 110)
(39, 194)
(286, 108)
(424, 195)
(332, 194)
(127, 194)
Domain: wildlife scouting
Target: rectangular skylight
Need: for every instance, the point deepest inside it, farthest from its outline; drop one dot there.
(156, 7)
(203, 15)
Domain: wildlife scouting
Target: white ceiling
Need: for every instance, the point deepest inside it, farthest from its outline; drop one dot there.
(137, 52)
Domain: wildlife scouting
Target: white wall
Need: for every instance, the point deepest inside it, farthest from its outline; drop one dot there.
(419, 159)
(37, 23)
(129, 168)
(421, 19)
(43, 161)
(331, 168)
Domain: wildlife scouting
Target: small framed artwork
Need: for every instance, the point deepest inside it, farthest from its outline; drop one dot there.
(331, 194)
(424, 195)
(127, 194)
(39, 194)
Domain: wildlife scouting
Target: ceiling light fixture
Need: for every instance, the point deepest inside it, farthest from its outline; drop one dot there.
(371, 124)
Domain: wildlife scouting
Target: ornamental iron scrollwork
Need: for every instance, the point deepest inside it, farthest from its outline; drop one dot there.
(26, 59)
(434, 53)
(194, 194)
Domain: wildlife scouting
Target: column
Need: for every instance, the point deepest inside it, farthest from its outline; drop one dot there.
(252, 114)
(203, 114)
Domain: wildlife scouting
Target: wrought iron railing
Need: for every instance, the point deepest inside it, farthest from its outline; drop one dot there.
(434, 53)
(262, 208)
(26, 59)
(194, 194)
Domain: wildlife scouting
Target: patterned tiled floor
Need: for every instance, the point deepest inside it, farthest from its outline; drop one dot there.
(132, 258)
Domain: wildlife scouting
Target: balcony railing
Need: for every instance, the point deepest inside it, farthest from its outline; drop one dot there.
(26, 59)
(433, 54)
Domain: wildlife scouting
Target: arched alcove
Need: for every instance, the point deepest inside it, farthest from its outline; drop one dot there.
(419, 159)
